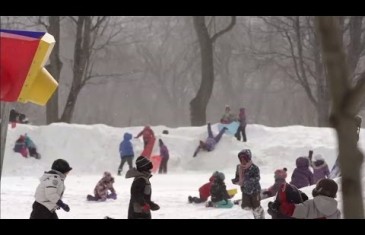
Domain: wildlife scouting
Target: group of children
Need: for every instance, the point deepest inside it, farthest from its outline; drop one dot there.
(127, 153)
(290, 202)
(228, 118)
(48, 195)
(247, 177)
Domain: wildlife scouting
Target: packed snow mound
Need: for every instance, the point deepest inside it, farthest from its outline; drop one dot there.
(92, 149)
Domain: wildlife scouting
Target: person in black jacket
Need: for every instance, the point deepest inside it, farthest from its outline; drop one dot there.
(140, 204)
(218, 192)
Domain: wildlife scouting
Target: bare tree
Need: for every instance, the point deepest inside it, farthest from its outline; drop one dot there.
(90, 32)
(54, 67)
(167, 61)
(300, 59)
(346, 103)
(198, 104)
(4, 120)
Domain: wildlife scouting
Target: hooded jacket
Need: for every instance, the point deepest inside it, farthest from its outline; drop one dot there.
(320, 207)
(126, 147)
(50, 189)
(141, 192)
(302, 176)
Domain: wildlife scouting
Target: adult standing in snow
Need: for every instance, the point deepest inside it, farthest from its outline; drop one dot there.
(149, 141)
(140, 204)
(147, 134)
(126, 152)
(164, 153)
(48, 195)
(242, 127)
(211, 141)
(248, 177)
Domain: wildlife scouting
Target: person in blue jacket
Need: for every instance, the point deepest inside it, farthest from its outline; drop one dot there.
(126, 152)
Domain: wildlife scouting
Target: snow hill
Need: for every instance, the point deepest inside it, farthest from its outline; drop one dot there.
(93, 149)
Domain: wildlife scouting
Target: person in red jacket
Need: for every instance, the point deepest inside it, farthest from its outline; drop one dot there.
(148, 135)
(204, 192)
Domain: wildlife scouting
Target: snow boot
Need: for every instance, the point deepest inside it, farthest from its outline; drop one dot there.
(91, 198)
(259, 213)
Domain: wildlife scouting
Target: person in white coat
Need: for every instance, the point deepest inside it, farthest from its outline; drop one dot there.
(322, 206)
(48, 195)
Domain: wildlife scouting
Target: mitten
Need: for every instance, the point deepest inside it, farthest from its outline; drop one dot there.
(146, 208)
(64, 206)
(112, 196)
(154, 206)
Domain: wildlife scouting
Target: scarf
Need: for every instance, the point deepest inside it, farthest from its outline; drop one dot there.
(241, 172)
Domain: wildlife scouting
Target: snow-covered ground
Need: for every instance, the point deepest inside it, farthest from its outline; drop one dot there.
(91, 150)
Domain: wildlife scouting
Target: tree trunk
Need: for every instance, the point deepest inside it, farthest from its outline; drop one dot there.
(81, 57)
(4, 116)
(350, 164)
(54, 68)
(346, 104)
(198, 104)
(354, 49)
(322, 107)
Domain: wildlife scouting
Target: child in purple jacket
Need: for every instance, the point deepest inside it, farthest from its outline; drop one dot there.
(320, 168)
(164, 153)
(302, 176)
(210, 142)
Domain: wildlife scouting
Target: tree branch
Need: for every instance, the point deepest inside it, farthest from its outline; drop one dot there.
(223, 31)
(356, 96)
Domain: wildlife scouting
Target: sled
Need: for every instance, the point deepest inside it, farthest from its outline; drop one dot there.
(232, 192)
(156, 161)
(148, 149)
(231, 128)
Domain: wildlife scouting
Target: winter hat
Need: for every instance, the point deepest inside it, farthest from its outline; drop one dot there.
(143, 164)
(325, 187)
(108, 176)
(219, 175)
(61, 166)
(280, 173)
(160, 142)
(245, 154)
(318, 157)
(302, 162)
